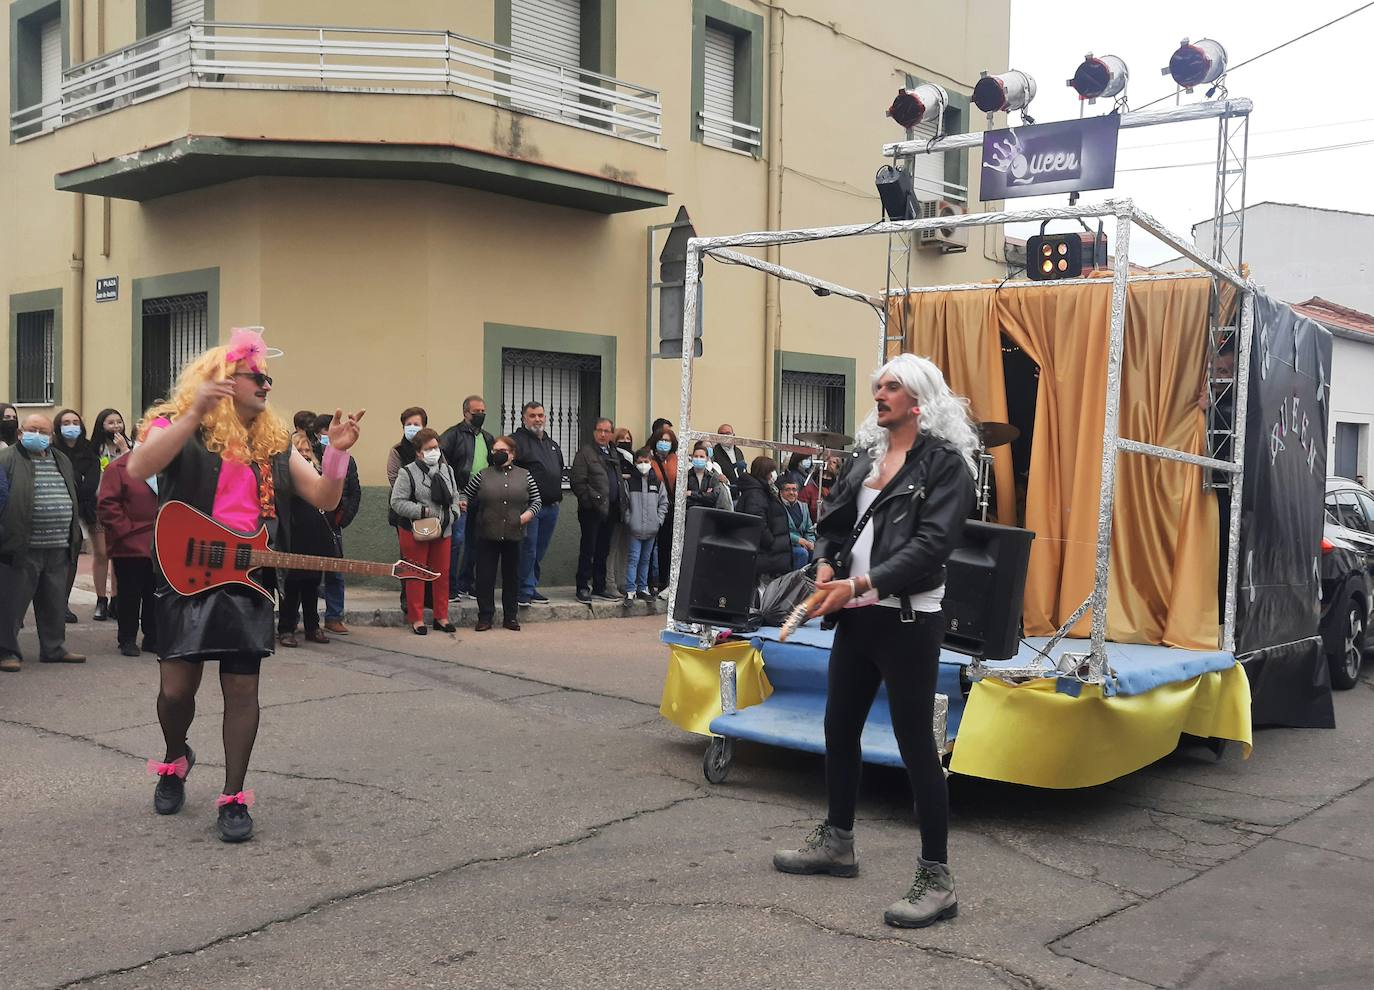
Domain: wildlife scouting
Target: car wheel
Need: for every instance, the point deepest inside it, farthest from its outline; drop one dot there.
(1345, 666)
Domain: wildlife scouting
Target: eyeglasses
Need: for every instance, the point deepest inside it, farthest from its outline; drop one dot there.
(259, 379)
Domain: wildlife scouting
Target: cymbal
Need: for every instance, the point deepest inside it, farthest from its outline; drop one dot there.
(824, 439)
(997, 434)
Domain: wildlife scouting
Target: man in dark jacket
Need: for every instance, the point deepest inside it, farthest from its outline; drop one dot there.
(733, 464)
(596, 481)
(540, 455)
(338, 521)
(40, 538)
(468, 457)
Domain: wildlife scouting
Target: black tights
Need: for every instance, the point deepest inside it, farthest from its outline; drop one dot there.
(872, 647)
(176, 708)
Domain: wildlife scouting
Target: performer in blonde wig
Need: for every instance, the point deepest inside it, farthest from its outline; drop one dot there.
(216, 445)
(894, 515)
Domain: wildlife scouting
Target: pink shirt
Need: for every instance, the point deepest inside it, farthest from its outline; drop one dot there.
(236, 492)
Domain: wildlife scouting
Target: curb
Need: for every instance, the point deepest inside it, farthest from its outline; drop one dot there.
(466, 613)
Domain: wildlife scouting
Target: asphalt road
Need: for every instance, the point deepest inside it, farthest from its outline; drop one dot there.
(509, 810)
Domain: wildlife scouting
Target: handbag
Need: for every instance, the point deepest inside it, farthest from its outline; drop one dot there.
(425, 530)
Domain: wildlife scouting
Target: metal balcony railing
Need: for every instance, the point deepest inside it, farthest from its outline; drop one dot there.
(732, 135)
(225, 55)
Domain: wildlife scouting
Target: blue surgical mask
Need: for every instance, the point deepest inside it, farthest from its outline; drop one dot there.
(806, 464)
(324, 439)
(35, 441)
(699, 463)
(411, 430)
(710, 451)
(663, 446)
(71, 432)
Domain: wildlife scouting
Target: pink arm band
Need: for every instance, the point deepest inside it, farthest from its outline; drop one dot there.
(335, 463)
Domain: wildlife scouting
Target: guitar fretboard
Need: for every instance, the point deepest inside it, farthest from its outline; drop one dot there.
(305, 562)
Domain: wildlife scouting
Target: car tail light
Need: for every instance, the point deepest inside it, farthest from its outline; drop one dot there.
(1327, 545)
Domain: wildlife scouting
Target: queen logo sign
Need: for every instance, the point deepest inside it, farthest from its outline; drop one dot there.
(1042, 159)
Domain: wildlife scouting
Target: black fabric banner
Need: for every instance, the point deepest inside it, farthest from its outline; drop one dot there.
(1278, 588)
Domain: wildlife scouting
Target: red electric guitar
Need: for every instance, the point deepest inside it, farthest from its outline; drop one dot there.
(197, 554)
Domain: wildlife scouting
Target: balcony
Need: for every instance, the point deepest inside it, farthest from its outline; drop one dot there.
(215, 101)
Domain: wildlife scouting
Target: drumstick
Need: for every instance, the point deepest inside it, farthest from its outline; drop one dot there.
(797, 616)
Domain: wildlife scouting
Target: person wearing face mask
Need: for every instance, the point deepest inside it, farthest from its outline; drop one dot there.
(596, 482)
(40, 537)
(338, 520)
(70, 439)
(664, 446)
(759, 497)
(109, 441)
(9, 425)
(646, 506)
(466, 447)
(413, 420)
(799, 470)
(705, 488)
(539, 454)
(425, 489)
(504, 499)
(127, 511)
(624, 448)
(310, 534)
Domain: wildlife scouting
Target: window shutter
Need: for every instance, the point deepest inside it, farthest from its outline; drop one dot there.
(718, 94)
(186, 11)
(50, 69)
(929, 170)
(551, 29)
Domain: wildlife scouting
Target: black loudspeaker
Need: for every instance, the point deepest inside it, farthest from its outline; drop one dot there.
(984, 583)
(897, 192)
(715, 582)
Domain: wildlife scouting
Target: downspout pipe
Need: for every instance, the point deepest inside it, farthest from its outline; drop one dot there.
(772, 312)
(73, 305)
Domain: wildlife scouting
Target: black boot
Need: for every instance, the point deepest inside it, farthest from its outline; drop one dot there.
(235, 824)
(102, 609)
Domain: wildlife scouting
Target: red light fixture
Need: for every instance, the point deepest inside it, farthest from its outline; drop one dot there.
(913, 106)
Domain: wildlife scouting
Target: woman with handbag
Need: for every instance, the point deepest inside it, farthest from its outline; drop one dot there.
(505, 498)
(424, 508)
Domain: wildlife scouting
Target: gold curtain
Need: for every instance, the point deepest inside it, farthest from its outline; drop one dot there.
(1164, 548)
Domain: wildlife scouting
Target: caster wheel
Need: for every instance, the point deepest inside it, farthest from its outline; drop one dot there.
(720, 753)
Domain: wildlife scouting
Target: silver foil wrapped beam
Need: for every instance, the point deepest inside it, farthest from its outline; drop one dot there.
(833, 288)
(729, 703)
(1002, 285)
(940, 725)
(1170, 454)
(1247, 329)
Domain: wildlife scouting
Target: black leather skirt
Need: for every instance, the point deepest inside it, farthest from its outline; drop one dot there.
(227, 621)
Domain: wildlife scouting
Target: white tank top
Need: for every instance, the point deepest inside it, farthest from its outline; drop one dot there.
(860, 562)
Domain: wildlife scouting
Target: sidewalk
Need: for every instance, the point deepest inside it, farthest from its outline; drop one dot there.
(375, 607)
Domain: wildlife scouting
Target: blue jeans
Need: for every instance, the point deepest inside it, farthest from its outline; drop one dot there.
(640, 553)
(800, 556)
(454, 554)
(465, 535)
(534, 546)
(333, 588)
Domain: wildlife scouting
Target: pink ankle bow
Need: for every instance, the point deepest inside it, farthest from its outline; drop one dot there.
(177, 768)
(244, 798)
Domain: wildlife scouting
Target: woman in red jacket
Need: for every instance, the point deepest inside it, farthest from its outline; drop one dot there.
(127, 509)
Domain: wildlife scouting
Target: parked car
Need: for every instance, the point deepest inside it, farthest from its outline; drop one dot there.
(1347, 578)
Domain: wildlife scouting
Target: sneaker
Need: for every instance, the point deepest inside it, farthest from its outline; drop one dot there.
(235, 824)
(826, 850)
(628, 600)
(337, 627)
(102, 606)
(930, 899)
(538, 597)
(584, 596)
(455, 598)
(67, 657)
(524, 601)
(11, 665)
(663, 595)
(644, 596)
(170, 793)
(71, 617)
(128, 650)
(606, 596)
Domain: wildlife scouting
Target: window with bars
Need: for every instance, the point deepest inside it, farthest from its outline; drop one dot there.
(175, 330)
(811, 402)
(35, 381)
(568, 385)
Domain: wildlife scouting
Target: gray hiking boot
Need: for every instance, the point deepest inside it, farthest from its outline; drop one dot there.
(826, 850)
(930, 899)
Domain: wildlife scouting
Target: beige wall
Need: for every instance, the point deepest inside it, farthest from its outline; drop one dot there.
(378, 291)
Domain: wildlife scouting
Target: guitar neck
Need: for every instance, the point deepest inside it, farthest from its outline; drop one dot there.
(304, 562)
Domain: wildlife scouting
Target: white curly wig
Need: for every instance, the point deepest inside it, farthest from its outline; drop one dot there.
(943, 414)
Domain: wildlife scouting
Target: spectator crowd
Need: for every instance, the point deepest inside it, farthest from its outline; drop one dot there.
(474, 507)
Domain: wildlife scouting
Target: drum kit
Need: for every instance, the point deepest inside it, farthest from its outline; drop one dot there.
(990, 435)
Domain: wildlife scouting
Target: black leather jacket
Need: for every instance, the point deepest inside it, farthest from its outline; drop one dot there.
(458, 444)
(918, 518)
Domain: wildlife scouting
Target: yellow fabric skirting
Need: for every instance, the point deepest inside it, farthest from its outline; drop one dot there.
(1031, 734)
(691, 694)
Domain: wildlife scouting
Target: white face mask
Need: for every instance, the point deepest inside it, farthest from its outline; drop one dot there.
(772, 477)
(641, 467)
(432, 457)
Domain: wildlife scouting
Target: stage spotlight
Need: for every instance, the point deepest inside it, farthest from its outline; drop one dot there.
(1054, 256)
(1011, 90)
(925, 102)
(897, 192)
(1196, 63)
(1104, 75)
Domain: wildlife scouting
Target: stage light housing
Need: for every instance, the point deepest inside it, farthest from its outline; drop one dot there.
(1054, 256)
(925, 102)
(1099, 76)
(1196, 63)
(897, 192)
(1007, 91)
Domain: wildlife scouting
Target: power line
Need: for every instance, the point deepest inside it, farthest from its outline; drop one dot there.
(1273, 154)
(1270, 51)
(1212, 139)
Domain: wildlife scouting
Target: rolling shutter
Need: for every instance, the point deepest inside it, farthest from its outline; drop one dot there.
(551, 29)
(929, 175)
(186, 11)
(50, 69)
(718, 94)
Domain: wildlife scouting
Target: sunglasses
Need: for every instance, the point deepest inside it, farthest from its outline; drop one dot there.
(259, 379)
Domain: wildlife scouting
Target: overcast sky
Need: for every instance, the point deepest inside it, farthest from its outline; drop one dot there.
(1311, 94)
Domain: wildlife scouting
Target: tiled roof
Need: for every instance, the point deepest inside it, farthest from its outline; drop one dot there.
(1335, 315)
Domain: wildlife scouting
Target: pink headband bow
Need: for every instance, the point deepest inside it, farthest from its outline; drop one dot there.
(246, 345)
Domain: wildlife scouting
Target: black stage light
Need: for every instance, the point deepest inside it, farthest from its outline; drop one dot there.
(1196, 63)
(1099, 76)
(897, 192)
(1054, 256)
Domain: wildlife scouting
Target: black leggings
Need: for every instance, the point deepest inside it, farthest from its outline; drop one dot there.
(872, 647)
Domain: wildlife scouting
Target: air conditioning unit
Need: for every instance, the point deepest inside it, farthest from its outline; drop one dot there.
(943, 239)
